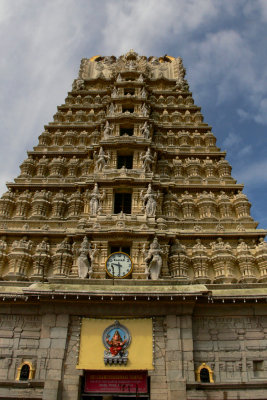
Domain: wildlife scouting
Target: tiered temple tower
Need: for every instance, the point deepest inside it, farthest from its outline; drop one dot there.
(129, 165)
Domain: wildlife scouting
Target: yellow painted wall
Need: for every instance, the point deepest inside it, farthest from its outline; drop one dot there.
(140, 351)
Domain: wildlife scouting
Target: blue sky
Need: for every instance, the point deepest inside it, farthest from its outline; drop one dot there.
(222, 43)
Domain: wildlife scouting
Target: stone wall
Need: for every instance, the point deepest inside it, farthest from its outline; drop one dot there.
(230, 339)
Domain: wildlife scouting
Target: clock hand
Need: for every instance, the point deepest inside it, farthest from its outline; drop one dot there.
(118, 265)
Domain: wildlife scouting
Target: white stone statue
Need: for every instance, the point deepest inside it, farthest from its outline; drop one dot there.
(145, 130)
(119, 78)
(95, 200)
(114, 93)
(100, 160)
(145, 110)
(154, 260)
(111, 109)
(108, 130)
(148, 160)
(143, 93)
(149, 201)
(85, 259)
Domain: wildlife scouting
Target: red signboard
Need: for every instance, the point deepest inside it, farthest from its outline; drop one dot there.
(115, 382)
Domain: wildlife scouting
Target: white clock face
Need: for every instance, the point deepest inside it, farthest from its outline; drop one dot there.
(119, 265)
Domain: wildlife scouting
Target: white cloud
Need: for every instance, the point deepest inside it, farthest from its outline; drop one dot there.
(145, 26)
(244, 151)
(244, 115)
(231, 140)
(261, 114)
(253, 174)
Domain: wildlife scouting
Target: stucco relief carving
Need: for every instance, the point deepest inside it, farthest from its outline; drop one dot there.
(154, 260)
(149, 200)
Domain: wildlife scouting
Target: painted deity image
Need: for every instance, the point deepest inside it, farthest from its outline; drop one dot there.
(116, 338)
(116, 343)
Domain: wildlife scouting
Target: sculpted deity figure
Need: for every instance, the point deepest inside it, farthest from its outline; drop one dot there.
(143, 93)
(111, 109)
(78, 84)
(100, 159)
(85, 259)
(23, 244)
(108, 130)
(43, 247)
(130, 65)
(148, 160)
(3, 246)
(140, 78)
(119, 78)
(95, 200)
(145, 110)
(145, 130)
(114, 93)
(116, 343)
(149, 201)
(154, 260)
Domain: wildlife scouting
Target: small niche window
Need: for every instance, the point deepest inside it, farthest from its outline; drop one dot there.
(126, 131)
(124, 161)
(123, 203)
(124, 249)
(258, 369)
(128, 109)
(204, 374)
(130, 91)
(25, 372)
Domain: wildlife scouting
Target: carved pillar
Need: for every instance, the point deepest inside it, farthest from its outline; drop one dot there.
(242, 206)
(108, 202)
(138, 260)
(206, 205)
(3, 255)
(188, 206)
(42, 167)
(223, 262)
(224, 169)
(62, 259)
(27, 168)
(246, 262)
(59, 205)
(200, 261)
(99, 261)
(86, 167)
(136, 204)
(261, 258)
(178, 261)
(7, 203)
(23, 205)
(75, 205)
(41, 204)
(165, 267)
(19, 259)
(41, 260)
(225, 206)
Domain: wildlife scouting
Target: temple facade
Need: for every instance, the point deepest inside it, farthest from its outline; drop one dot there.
(130, 265)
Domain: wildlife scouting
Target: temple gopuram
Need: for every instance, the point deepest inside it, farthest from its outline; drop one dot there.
(130, 266)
